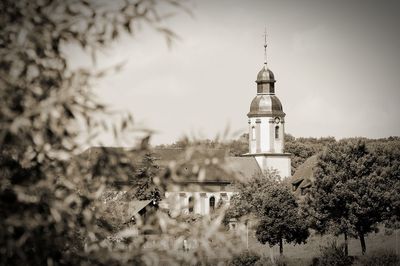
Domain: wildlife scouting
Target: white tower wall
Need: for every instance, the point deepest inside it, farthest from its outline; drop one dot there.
(267, 127)
(262, 135)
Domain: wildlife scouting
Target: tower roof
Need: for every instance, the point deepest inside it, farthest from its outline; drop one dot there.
(265, 75)
(265, 81)
(266, 105)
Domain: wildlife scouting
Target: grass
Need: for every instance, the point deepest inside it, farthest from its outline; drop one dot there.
(303, 254)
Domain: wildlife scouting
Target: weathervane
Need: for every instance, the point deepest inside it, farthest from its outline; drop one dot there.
(265, 46)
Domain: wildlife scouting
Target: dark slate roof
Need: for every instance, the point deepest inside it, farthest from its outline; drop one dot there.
(305, 170)
(304, 175)
(243, 167)
(135, 206)
(234, 167)
(120, 209)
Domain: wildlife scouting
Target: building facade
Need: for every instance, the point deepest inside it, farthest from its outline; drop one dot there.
(205, 196)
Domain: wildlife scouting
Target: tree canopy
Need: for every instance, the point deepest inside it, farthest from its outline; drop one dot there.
(348, 196)
(272, 202)
(142, 180)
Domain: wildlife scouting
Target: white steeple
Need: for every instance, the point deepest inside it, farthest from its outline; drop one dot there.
(266, 124)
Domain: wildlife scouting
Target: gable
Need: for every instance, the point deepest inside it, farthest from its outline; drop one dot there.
(304, 176)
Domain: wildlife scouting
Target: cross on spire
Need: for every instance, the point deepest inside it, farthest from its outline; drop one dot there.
(265, 46)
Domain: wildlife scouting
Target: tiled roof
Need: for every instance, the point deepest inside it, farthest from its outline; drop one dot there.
(305, 171)
(243, 167)
(234, 167)
(304, 175)
(135, 206)
(120, 210)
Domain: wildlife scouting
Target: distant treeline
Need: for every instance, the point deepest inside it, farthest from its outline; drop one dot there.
(301, 148)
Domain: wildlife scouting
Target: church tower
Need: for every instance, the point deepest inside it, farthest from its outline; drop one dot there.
(267, 125)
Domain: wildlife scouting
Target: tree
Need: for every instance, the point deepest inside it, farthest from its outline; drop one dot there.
(275, 206)
(142, 182)
(303, 148)
(280, 218)
(387, 152)
(50, 192)
(48, 206)
(234, 147)
(239, 146)
(347, 195)
(300, 152)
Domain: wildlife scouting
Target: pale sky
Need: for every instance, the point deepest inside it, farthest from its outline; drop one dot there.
(337, 66)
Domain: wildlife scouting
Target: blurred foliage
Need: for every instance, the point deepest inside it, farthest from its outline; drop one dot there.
(50, 192)
(44, 103)
(52, 195)
(142, 182)
(235, 147)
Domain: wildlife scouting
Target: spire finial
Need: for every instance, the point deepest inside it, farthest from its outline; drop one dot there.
(265, 46)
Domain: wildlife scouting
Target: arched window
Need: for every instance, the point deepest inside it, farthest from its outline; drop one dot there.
(212, 203)
(253, 133)
(277, 132)
(191, 204)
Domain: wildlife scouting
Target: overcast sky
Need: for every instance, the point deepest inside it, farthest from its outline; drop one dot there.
(337, 66)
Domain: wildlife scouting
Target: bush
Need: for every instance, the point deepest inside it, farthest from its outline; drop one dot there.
(266, 261)
(381, 258)
(244, 259)
(332, 255)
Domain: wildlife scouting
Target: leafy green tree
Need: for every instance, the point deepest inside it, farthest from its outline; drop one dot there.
(347, 197)
(272, 202)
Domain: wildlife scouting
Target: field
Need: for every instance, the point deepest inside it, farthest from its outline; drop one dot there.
(303, 254)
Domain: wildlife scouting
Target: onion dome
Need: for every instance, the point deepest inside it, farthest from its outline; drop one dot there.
(265, 75)
(265, 81)
(266, 105)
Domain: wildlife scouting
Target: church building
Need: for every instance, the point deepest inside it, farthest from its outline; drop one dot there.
(266, 121)
(193, 195)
